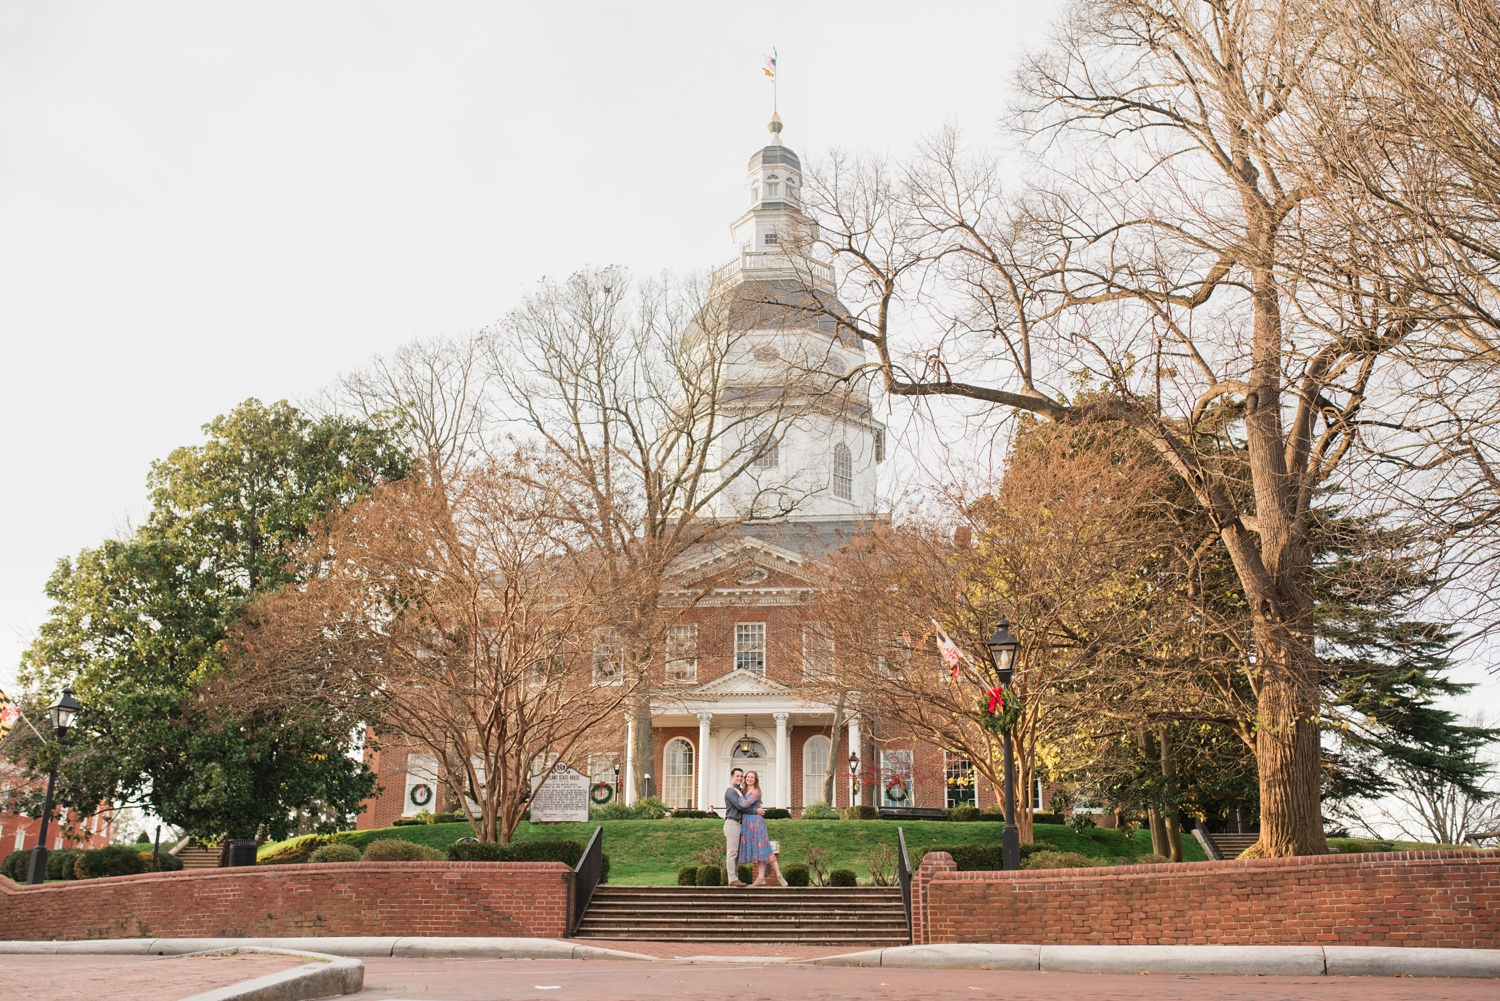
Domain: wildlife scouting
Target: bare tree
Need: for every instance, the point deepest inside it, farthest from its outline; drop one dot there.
(1421, 808)
(1171, 260)
(449, 617)
(645, 410)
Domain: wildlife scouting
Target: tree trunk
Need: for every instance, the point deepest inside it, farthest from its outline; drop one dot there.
(829, 791)
(1025, 787)
(1169, 777)
(644, 751)
(1287, 752)
(1153, 814)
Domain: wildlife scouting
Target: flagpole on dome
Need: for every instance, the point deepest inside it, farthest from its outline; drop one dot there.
(770, 71)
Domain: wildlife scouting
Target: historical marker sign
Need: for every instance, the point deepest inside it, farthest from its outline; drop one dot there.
(562, 798)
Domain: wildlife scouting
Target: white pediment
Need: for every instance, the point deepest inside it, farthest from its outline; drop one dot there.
(735, 683)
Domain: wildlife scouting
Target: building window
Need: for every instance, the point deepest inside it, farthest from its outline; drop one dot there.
(682, 654)
(604, 777)
(767, 453)
(814, 767)
(750, 647)
(770, 239)
(754, 195)
(607, 668)
(1036, 793)
(963, 787)
(817, 651)
(677, 790)
(896, 788)
(843, 472)
(880, 444)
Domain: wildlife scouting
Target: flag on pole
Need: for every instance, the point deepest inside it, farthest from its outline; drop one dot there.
(770, 68)
(951, 654)
(9, 713)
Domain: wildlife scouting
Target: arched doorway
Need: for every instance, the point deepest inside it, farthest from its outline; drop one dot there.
(759, 756)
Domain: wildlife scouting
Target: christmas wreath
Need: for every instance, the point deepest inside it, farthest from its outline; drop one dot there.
(602, 793)
(895, 789)
(421, 794)
(999, 711)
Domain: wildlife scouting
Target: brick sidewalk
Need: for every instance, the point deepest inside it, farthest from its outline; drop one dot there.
(502, 980)
(97, 978)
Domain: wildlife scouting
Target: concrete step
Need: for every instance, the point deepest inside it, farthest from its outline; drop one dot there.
(835, 916)
(1231, 845)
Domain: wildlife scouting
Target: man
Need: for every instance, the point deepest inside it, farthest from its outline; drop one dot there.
(734, 813)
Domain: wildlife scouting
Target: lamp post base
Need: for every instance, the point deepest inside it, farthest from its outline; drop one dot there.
(37, 872)
(1010, 847)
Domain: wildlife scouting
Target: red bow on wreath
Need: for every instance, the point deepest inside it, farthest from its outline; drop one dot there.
(997, 699)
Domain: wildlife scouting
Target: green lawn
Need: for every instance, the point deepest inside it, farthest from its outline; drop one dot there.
(649, 852)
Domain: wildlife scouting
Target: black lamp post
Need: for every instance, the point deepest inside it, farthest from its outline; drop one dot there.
(1003, 647)
(61, 714)
(855, 789)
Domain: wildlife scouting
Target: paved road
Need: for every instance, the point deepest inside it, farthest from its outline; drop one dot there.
(501, 980)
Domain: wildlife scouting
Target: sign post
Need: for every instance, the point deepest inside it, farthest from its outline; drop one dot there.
(559, 795)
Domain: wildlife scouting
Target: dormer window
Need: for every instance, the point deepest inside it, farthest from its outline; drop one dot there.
(755, 194)
(773, 189)
(770, 239)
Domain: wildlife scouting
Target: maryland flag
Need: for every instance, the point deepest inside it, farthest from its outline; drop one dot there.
(10, 713)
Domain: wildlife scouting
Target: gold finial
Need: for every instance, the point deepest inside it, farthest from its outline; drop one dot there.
(775, 127)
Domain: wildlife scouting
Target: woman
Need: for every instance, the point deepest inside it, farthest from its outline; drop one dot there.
(755, 843)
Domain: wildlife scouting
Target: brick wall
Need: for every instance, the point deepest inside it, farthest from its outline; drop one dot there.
(356, 898)
(1449, 899)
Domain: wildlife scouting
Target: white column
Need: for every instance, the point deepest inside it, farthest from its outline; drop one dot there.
(783, 762)
(630, 761)
(856, 795)
(705, 769)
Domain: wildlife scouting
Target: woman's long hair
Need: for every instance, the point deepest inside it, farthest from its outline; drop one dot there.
(756, 785)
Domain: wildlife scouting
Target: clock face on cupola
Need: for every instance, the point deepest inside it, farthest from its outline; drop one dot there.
(819, 455)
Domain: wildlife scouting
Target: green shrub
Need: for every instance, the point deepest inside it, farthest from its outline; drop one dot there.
(1080, 822)
(336, 852)
(964, 814)
(568, 852)
(968, 858)
(796, 874)
(651, 808)
(1058, 860)
(294, 852)
(1048, 818)
(143, 838)
(842, 877)
(1151, 859)
(687, 876)
(603, 867)
(479, 851)
(710, 875)
(111, 860)
(60, 863)
(165, 862)
(745, 872)
(393, 850)
(778, 813)
(14, 866)
(692, 814)
(859, 813)
(446, 818)
(819, 811)
(613, 810)
(407, 822)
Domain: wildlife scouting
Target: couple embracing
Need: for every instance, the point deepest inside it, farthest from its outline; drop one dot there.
(745, 837)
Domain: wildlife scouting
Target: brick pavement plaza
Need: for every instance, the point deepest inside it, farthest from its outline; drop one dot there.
(501, 980)
(96, 978)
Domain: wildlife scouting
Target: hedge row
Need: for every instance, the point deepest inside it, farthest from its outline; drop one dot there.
(92, 863)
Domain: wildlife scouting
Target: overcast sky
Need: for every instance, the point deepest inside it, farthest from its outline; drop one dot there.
(203, 202)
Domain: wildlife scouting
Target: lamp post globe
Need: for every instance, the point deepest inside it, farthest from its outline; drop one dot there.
(1003, 648)
(60, 714)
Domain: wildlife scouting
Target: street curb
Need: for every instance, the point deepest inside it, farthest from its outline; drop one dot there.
(409, 947)
(324, 976)
(1224, 960)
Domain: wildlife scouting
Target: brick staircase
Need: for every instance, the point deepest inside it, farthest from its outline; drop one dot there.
(823, 915)
(196, 855)
(1230, 845)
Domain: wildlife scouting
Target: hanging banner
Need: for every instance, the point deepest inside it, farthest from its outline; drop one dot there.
(560, 796)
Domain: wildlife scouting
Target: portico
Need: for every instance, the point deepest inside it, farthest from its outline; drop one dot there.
(742, 719)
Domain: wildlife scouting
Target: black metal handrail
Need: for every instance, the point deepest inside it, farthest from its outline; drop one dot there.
(586, 877)
(903, 872)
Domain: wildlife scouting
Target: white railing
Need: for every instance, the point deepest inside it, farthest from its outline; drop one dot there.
(771, 264)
